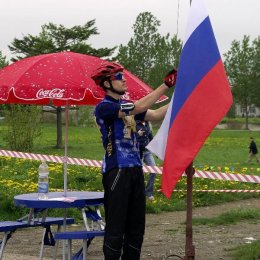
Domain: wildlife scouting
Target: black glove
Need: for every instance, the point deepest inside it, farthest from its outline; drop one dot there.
(170, 78)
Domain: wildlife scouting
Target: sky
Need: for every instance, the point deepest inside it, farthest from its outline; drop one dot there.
(231, 19)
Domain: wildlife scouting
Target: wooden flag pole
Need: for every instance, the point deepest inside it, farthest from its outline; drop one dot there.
(189, 247)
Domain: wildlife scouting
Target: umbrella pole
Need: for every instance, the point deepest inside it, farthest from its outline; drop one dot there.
(65, 174)
(66, 148)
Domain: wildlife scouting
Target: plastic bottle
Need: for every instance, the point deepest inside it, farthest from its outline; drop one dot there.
(43, 181)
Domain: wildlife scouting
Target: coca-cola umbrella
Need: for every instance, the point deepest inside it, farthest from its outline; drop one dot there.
(60, 79)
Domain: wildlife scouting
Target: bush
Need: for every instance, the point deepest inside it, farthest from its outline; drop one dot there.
(22, 126)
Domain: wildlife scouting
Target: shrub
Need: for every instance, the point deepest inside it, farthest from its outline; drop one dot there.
(22, 126)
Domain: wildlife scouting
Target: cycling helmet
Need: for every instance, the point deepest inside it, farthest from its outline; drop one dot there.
(105, 71)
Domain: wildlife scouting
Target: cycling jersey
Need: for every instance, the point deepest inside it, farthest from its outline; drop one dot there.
(118, 135)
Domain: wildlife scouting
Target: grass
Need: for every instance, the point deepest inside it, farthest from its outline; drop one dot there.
(224, 150)
(243, 252)
(247, 252)
(230, 217)
(242, 120)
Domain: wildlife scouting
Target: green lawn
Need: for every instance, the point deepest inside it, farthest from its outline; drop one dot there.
(224, 150)
(227, 148)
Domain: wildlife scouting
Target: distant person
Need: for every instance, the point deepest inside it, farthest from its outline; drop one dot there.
(145, 135)
(252, 151)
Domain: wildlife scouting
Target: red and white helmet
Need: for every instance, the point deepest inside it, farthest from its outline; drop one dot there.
(105, 71)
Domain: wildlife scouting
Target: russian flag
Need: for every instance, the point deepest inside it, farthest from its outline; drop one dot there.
(201, 99)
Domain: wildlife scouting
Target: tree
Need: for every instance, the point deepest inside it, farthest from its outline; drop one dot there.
(56, 38)
(166, 58)
(256, 72)
(140, 50)
(22, 126)
(242, 66)
(148, 54)
(3, 61)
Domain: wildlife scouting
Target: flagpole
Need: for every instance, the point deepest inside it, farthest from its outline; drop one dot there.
(189, 247)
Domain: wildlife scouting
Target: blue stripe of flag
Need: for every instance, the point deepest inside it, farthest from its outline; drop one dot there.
(200, 53)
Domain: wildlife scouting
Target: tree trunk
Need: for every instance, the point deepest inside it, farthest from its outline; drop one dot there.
(247, 128)
(59, 128)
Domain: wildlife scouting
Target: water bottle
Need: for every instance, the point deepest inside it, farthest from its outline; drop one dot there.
(43, 181)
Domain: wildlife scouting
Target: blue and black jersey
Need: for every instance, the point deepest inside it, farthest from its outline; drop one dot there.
(122, 149)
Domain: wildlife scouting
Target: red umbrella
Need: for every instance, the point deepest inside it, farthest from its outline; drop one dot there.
(60, 79)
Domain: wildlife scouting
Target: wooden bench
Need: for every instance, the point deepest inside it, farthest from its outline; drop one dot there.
(86, 236)
(9, 227)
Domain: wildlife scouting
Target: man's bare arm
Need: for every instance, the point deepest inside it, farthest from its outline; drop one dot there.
(157, 114)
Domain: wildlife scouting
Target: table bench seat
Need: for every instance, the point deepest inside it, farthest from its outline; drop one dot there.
(82, 234)
(6, 226)
(50, 221)
(9, 227)
(85, 235)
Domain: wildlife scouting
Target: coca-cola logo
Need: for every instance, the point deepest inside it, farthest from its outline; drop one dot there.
(53, 93)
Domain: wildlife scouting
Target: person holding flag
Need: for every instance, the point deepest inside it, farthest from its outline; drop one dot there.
(123, 178)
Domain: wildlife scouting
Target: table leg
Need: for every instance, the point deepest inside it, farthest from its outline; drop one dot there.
(56, 245)
(2, 246)
(85, 219)
(85, 249)
(42, 245)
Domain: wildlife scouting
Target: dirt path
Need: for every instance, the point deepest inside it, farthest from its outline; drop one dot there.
(165, 235)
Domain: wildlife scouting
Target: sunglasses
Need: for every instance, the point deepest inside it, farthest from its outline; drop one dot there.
(117, 76)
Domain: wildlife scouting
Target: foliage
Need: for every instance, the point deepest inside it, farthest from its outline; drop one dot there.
(22, 126)
(138, 56)
(20, 176)
(252, 120)
(224, 151)
(229, 217)
(56, 38)
(86, 116)
(223, 148)
(242, 66)
(227, 148)
(148, 54)
(232, 111)
(246, 252)
(256, 77)
(3, 61)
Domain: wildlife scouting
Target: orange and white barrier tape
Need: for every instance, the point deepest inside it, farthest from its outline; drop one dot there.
(149, 169)
(239, 191)
(51, 158)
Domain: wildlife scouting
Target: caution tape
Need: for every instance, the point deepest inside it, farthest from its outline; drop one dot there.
(149, 169)
(232, 191)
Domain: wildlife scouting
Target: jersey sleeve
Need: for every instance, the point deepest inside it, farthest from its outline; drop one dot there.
(140, 117)
(107, 110)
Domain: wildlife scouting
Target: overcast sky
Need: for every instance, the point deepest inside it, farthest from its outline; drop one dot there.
(231, 19)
